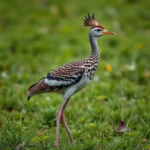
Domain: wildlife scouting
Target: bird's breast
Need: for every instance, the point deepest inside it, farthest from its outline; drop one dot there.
(90, 71)
(76, 87)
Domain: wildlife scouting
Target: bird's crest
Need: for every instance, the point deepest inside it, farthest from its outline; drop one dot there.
(91, 21)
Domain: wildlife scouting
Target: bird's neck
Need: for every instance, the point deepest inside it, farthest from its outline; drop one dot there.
(94, 46)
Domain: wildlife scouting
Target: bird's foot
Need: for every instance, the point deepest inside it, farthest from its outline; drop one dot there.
(56, 145)
(73, 142)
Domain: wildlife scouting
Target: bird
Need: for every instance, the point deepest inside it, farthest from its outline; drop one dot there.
(72, 77)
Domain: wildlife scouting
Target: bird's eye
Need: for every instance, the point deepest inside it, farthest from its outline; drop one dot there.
(98, 30)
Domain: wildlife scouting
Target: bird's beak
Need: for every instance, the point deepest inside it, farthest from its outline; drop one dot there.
(108, 32)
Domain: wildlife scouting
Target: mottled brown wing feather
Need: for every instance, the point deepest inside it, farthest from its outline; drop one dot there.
(67, 71)
(37, 88)
(72, 72)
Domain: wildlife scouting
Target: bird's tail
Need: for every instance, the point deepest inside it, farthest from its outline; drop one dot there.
(37, 88)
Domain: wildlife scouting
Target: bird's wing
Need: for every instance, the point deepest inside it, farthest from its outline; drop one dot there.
(65, 75)
(57, 79)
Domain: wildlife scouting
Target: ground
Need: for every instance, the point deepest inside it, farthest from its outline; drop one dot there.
(37, 36)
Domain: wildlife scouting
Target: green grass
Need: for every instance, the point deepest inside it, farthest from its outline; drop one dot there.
(37, 36)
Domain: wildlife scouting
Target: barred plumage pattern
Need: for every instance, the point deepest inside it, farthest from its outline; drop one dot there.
(66, 75)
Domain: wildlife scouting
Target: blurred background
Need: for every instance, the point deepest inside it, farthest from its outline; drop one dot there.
(36, 36)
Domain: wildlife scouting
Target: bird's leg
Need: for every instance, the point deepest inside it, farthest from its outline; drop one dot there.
(58, 118)
(66, 127)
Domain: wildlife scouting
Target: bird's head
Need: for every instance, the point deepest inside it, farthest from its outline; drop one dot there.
(96, 30)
